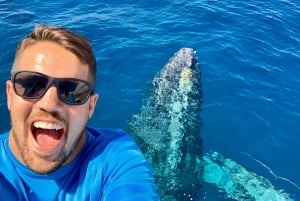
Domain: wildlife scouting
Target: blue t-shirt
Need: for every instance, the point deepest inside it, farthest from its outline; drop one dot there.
(110, 167)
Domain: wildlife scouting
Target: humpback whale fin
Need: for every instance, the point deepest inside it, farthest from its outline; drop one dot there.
(237, 182)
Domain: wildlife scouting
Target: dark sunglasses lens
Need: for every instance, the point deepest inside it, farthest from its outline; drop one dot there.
(73, 91)
(30, 84)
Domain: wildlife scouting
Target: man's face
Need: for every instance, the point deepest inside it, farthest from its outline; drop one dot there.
(47, 133)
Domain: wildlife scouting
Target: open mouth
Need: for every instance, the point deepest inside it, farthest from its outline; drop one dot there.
(47, 135)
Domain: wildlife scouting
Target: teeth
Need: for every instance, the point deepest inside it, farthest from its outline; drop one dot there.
(46, 125)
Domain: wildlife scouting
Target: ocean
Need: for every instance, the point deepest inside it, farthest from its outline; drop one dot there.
(248, 51)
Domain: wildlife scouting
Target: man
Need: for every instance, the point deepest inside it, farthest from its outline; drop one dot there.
(50, 153)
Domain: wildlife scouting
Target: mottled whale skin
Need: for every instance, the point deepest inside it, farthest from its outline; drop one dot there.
(167, 127)
(237, 182)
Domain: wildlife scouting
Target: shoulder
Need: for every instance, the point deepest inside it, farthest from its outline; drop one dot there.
(106, 136)
(110, 141)
(117, 152)
(126, 172)
(105, 132)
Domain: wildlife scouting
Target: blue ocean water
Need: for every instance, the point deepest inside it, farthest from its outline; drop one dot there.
(248, 50)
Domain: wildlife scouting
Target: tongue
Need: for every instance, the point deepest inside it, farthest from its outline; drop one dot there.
(48, 137)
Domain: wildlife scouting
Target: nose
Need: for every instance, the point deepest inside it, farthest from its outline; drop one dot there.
(49, 101)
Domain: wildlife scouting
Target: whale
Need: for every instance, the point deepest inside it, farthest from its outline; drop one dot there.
(237, 182)
(167, 129)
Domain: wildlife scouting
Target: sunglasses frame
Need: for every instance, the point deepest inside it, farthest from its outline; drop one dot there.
(50, 82)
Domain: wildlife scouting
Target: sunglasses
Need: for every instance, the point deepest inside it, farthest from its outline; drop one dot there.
(33, 85)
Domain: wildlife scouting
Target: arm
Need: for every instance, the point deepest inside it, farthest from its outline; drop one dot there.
(128, 176)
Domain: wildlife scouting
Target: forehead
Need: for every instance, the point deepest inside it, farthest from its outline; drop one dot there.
(50, 58)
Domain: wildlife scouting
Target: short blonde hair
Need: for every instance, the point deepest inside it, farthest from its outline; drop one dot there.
(65, 38)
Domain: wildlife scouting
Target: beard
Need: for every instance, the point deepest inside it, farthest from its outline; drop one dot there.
(41, 164)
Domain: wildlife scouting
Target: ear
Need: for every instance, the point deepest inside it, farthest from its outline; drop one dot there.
(92, 104)
(9, 93)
